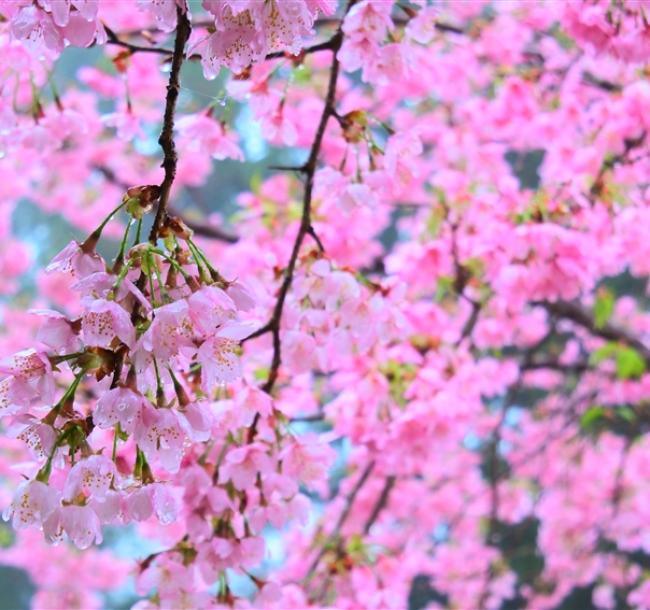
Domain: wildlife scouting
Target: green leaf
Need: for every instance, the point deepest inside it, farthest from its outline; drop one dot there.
(604, 353)
(626, 413)
(444, 287)
(592, 416)
(603, 307)
(629, 364)
(262, 373)
(474, 265)
(435, 221)
(302, 75)
(355, 544)
(7, 536)
(255, 183)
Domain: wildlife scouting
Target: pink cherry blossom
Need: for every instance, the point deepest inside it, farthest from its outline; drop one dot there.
(103, 322)
(73, 259)
(219, 355)
(92, 476)
(243, 465)
(161, 437)
(203, 134)
(33, 503)
(119, 405)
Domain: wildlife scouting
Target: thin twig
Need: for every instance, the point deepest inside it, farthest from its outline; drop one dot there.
(166, 140)
(327, 45)
(629, 145)
(381, 503)
(574, 368)
(198, 227)
(205, 230)
(305, 228)
(590, 79)
(471, 322)
(345, 513)
(114, 39)
(494, 475)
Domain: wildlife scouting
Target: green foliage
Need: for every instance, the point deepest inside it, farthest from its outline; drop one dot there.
(399, 376)
(592, 417)
(603, 307)
(618, 419)
(629, 363)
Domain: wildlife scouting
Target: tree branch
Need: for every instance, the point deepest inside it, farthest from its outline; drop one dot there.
(345, 513)
(305, 228)
(204, 230)
(133, 48)
(327, 45)
(199, 228)
(166, 140)
(381, 503)
(574, 368)
(114, 39)
(609, 332)
(590, 79)
(629, 144)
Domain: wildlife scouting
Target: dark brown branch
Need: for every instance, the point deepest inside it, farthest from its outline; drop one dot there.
(204, 230)
(461, 279)
(199, 228)
(287, 168)
(312, 233)
(327, 45)
(629, 145)
(133, 48)
(590, 79)
(305, 228)
(495, 474)
(305, 221)
(580, 316)
(553, 365)
(619, 479)
(381, 503)
(345, 513)
(472, 320)
(449, 28)
(166, 140)
(114, 39)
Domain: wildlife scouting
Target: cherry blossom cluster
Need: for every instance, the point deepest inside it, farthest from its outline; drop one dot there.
(242, 31)
(119, 330)
(620, 29)
(52, 25)
(154, 345)
(245, 32)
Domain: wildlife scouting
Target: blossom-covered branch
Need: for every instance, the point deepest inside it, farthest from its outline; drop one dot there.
(305, 228)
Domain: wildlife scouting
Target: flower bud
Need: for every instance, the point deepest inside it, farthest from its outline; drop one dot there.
(140, 199)
(354, 126)
(175, 226)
